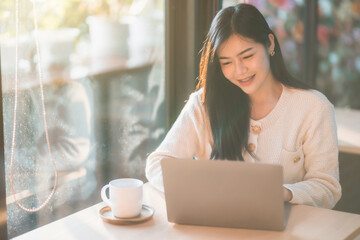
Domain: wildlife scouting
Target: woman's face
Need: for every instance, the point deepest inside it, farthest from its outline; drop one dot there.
(246, 63)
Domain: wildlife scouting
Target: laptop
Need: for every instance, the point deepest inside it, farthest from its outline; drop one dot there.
(224, 193)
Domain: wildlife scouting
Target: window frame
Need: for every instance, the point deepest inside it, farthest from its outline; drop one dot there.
(310, 47)
(187, 23)
(3, 209)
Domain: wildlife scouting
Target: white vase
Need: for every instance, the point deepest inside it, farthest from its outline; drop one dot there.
(56, 47)
(25, 51)
(144, 35)
(108, 37)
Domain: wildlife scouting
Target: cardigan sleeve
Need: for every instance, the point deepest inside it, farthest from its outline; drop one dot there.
(186, 139)
(320, 186)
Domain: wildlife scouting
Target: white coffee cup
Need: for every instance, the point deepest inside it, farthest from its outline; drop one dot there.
(125, 197)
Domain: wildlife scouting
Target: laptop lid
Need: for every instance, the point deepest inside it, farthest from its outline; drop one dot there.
(224, 193)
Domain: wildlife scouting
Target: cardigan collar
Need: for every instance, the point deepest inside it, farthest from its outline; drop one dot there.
(270, 119)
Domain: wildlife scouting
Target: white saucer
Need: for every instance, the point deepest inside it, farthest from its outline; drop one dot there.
(106, 215)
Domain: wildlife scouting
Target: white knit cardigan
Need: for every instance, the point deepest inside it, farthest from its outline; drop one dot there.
(299, 133)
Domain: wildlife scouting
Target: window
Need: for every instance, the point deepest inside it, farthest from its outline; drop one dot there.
(339, 52)
(102, 66)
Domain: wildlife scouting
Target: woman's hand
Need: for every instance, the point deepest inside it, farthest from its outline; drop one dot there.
(287, 194)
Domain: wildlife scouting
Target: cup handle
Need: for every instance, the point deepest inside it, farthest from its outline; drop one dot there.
(103, 195)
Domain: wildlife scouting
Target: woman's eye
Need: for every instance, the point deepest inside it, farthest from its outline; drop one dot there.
(249, 56)
(225, 63)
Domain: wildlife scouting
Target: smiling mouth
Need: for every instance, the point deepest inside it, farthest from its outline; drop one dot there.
(247, 79)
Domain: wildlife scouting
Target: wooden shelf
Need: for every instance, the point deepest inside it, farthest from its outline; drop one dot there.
(90, 67)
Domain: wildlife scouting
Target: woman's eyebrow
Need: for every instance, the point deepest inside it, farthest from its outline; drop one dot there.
(242, 52)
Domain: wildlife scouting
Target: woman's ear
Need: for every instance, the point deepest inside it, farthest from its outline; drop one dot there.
(271, 47)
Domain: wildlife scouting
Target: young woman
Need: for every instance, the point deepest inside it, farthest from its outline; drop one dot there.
(247, 107)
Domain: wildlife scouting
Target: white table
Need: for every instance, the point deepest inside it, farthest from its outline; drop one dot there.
(304, 222)
(348, 130)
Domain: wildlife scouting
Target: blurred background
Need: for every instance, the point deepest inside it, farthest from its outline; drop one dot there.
(116, 74)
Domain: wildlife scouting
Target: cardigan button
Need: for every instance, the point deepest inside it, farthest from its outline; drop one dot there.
(256, 129)
(251, 147)
(296, 159)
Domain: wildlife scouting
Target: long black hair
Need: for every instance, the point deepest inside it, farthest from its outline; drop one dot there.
(227, 105)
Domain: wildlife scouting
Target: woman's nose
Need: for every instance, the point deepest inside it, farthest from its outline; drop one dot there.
(240, 68)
